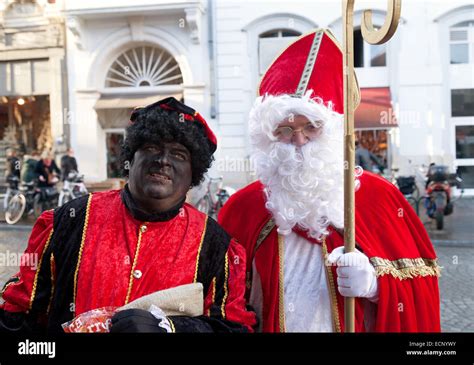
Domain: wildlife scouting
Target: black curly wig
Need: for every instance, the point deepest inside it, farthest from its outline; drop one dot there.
(158, 126)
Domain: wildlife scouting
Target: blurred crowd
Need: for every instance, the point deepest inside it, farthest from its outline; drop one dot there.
(39, 167)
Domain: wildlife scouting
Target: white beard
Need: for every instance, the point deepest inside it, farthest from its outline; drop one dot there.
(304, 186)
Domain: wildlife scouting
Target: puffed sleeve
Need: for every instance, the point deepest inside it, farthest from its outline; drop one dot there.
(30, 283)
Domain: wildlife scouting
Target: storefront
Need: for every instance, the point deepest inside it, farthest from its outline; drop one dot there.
(374, 122)
(33, 96)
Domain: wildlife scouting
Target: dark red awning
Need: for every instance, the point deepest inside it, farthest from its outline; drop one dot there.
(375, 110)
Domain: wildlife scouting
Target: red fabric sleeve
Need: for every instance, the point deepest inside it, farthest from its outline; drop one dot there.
(388, 228)
(243, 216)
(20, 291)
(229, 298)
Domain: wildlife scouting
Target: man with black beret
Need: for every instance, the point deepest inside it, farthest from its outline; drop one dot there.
(110, 248)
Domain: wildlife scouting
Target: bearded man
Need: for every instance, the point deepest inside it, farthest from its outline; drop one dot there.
(293, 215)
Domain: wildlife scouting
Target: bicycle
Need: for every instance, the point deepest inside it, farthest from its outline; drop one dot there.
(211, 203)
(411, 185)
(23, 201)
(73, 188)
(12, 190)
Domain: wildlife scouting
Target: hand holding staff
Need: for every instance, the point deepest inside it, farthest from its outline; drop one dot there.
(372, 36)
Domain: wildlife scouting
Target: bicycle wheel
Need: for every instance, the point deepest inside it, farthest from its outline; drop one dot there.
(413, 202)
(16, 208)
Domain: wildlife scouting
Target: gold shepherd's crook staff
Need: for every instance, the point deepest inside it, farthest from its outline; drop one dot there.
(372, 36)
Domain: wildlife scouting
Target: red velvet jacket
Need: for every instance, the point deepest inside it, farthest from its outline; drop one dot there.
(94, 253)
(387, 231)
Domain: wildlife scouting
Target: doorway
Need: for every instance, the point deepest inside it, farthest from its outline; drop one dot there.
(113, 141)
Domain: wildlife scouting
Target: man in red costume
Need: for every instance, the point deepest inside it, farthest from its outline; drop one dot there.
(110, 248)
(293, 216)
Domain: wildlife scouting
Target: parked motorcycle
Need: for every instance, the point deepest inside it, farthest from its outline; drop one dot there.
(73, 188)
(438, 199)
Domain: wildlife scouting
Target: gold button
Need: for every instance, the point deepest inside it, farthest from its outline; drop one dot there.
(143, 228)
(137, 274)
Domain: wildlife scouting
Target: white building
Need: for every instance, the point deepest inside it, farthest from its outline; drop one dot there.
(212, 54)
(123, 54)
(427, 70)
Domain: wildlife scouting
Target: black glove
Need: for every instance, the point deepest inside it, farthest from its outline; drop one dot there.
(136, 320)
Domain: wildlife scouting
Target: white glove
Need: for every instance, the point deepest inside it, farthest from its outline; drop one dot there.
(355, 275)
(159, 314)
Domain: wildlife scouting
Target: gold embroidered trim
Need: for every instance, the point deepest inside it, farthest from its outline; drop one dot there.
(173, 330)
(35, 282)
(281, 284)
(225, 285)
(199, 250)
(213, 288)
(403, 269)
(8, 284)
(53, 279)
(83, 240)
(332, 289)
(336, 42)
(267, 228)
(135, 259)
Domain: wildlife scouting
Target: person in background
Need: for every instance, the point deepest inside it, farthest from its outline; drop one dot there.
(13, 164)
(366, 159)
(68, 164)
(47, 170)
(28, 169)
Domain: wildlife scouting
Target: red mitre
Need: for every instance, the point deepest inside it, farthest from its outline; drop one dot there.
(314, 61)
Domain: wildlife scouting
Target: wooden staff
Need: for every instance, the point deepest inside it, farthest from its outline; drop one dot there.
(372, 36)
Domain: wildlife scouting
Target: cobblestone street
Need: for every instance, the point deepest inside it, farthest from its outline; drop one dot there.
(456, 288)
(456, 282)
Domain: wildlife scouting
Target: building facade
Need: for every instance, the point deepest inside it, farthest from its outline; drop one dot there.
(417, 90)
(33, 77)
(122, 55)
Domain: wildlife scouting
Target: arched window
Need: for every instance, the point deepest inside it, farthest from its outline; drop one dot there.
(461, 42)
(271, 43)
(368, 55)
(144, 66)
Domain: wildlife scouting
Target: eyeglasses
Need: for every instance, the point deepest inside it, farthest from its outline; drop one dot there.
(286, 133)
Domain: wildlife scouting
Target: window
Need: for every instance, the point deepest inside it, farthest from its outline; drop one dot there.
(144, 66)
(270, 45)
(465, 141)
(25, 77)
(368, 55)
(461, 38)
(462, 102)
(113, 142)
(466, 173)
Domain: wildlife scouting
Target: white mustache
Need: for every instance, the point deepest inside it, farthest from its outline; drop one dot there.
(304, 185)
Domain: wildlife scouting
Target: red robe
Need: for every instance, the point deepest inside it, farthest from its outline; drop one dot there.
(93, 253)
(387, 230)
